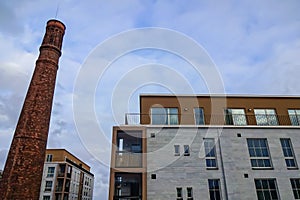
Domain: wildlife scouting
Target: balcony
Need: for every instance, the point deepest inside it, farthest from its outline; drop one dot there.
(233, 119)
(128, 186)
(128, 159)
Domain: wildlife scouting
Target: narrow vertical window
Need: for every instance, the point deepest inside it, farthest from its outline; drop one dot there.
(186, 150)
(214, 189)
(294, 116)
(235, 117)
(265, 117)
(288, 153)
(189, 191)
(259, 153)
(210, 153)
(49, 158)
(266, 189)
(295, 182)
(166, 116)
(179, 193)
(199, 116)
(176, 150)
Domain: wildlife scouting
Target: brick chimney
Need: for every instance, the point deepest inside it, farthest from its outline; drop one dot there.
(23, 170)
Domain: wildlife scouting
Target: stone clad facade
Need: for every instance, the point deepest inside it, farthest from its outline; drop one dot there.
(208, 147)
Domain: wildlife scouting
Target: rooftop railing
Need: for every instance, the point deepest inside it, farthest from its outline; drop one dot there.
(231, 119)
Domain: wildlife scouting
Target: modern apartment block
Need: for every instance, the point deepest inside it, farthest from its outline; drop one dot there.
(65, 177)
(208, 147)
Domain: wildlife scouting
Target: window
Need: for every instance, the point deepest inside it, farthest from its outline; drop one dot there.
(265, 117)
(199, 116)
(49, 158)
(214, 189)
(210, 153)
(48, 186)
(186, 150)
(167, 116)
(294, 117)
(288, 153)
(46, 197)
(177, 150)
(179, 193)
(153, 176)
(266, 189)
(189, 193)
(50, 171)
(259, 153)
(235, 117)
(295, 182)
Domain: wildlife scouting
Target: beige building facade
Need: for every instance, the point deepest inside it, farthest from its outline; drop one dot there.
(65, 177)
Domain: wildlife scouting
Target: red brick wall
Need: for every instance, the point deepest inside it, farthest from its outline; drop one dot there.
(23, 170)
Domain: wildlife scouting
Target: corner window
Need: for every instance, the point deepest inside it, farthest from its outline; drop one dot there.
(50, 172)
(186, 150)
(295, 182)
(167, 116)
(266, 189)
(235, 117)
(199, 116)
(176, 150)
(259, 153)
(294, 117)
(288, 153)
(266, 117)
(210, 153)
(214, 189)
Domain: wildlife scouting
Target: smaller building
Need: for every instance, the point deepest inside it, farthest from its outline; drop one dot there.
(65, 177)
(1, 173)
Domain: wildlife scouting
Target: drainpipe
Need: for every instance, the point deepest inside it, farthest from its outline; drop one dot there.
(222, 167)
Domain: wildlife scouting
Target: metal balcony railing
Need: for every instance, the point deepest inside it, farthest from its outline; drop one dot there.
(232, 119)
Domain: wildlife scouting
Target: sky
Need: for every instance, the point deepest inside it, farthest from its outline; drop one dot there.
(115, 50)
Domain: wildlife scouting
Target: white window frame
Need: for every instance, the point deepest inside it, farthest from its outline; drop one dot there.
(294, 115)
(49, 157)
(177, 150)
(49, 173)
(214, 190)
(199, 116)
(235, 116)
(189, 192)
(257, 150)
(207, 150)
(290, 149)
(296, 190)
(48, 188)
(186, 147)
(179, 193)
(266, 117)
(167, 114)
(264, 190)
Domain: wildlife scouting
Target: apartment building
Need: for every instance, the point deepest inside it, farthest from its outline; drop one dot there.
(208, 147)
(65, 177)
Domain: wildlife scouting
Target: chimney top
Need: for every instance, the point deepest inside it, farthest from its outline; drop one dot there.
(54, 22)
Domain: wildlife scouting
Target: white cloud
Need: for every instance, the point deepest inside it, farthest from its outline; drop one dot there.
(255, 45)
